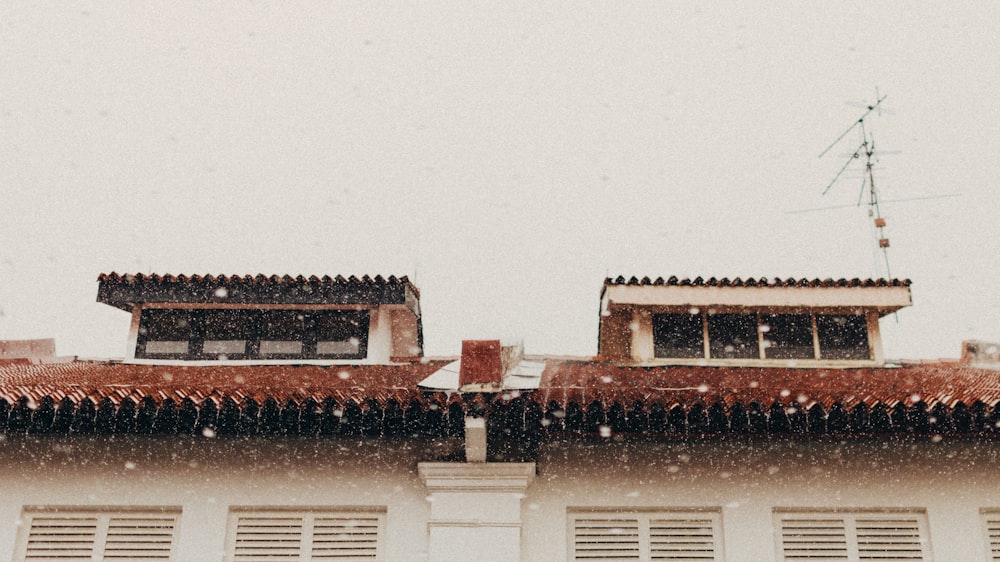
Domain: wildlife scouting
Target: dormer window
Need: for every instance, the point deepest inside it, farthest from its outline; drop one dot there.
(252, 334)
(753, 322)
(760, 336)
(267, 319)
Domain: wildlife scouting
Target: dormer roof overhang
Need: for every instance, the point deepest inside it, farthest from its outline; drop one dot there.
(128, 291)
(882, 295)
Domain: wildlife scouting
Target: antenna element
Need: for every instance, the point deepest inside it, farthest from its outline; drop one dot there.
(866, 149)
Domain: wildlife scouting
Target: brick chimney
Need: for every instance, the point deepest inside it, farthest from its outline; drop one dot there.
(481, 364)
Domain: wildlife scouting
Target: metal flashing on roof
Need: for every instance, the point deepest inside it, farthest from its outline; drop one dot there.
(526, 375)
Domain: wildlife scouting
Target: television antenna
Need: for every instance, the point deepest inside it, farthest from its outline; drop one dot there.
(866, 150)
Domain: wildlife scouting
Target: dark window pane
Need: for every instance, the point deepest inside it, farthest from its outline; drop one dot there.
(789, 336)
(226, 333)
(842, 336)
(163, 333)
(678, 335)
(281, 332)
(341, 334)
(733, 336)
(226, 324)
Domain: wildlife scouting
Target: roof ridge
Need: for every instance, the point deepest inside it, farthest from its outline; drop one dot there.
(674, 281)
(286, 278)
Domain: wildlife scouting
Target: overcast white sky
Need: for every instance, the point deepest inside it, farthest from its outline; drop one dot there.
(506, 156)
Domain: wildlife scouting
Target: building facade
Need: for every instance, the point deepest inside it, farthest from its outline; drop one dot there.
(280, 418)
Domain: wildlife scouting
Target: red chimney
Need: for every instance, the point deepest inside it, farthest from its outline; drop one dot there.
(480, 362)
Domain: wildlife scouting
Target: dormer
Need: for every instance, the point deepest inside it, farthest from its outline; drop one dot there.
(756, 322)
(261, 319)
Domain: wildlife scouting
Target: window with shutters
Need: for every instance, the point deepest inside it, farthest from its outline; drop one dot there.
(991, 526)
(835, 536)
(305, 535)
(124, 534)
(645, 535)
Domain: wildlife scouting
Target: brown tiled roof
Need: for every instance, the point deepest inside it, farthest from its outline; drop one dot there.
(126, 289)
(97, 380)
(575, 395)
(760, 282)
(258, 279)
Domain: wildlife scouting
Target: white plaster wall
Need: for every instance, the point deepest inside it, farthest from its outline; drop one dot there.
(205, 477)
(951, 480)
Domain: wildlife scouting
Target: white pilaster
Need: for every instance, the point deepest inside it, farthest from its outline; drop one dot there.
(642, 335)
(475, 510)
(380, 335)
(475, 439)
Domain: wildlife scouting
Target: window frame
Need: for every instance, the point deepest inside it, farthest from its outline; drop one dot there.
(308, 515)
(103, 516)
(643, 517)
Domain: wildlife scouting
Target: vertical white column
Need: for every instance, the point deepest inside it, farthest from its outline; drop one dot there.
(875, 337)
(475, 510)
(133, 331)
(380, 335)
(642, 335)
(475, 439)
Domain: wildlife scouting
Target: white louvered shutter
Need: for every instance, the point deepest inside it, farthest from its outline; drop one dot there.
(606, 539)
(814, 538)
(646, 536)
(268, 538)
(854, 537)
(345, 538)
(61, 537)
(991, 525)
(275, 536)
(684, 539)
(99, 535)
(889, 538)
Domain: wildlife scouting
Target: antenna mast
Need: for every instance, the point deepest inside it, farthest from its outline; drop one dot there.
(867, 149)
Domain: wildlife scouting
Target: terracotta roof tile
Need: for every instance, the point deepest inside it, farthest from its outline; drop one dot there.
(96, 380)
(123, 290)
(575, 395)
